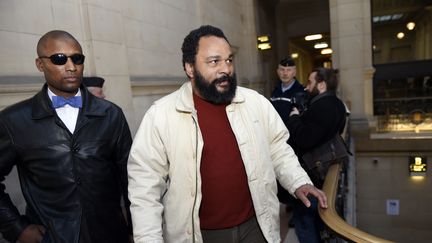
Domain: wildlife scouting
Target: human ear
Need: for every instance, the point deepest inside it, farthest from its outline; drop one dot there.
(189, 68)
(39, 64)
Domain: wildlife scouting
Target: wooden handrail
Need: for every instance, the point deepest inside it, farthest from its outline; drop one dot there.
(332, 219)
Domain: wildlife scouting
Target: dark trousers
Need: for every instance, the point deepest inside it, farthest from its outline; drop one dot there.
(307, 222)
(247, 232)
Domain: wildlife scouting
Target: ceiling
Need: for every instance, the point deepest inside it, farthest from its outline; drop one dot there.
(298, 18)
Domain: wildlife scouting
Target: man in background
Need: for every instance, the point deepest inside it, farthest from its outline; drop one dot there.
(324, 118)
(95, 86)
(287, 94)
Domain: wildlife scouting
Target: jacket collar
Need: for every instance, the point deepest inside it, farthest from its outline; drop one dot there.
(322, 95)
(42, 106)
(185, 103)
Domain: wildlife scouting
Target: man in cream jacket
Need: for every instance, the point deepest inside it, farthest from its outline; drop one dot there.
(204, 162)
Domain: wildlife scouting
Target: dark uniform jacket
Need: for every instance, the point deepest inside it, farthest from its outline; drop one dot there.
(321, 121)
(283, 101)
(72, 183)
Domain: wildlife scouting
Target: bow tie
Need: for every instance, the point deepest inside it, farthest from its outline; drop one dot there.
(59, 101)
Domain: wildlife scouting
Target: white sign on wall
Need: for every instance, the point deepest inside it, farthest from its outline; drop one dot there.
(392, 206)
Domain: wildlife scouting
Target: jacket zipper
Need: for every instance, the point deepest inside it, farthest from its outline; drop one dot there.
(196, 177)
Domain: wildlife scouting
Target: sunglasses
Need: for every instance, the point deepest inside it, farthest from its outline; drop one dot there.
(61, 59)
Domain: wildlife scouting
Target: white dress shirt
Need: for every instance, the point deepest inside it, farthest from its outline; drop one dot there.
(67, 113)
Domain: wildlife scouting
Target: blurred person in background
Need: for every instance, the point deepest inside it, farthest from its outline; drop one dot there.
(323, 119)
(95, 86)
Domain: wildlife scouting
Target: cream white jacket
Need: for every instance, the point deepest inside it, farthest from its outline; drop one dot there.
(164, 165)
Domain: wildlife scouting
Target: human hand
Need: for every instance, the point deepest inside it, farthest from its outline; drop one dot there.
(303, 191)
(32, 234)
(294, 111)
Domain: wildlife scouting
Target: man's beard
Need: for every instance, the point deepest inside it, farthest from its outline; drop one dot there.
(314, 92)
(209, 92)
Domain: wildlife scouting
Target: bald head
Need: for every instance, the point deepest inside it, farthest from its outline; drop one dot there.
(53, 35)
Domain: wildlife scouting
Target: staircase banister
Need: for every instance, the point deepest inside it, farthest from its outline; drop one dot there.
(332, 219)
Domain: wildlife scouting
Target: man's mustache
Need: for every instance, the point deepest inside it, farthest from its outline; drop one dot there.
(228, 78)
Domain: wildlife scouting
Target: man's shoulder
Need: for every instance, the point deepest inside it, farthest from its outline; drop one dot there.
(329, 103)
(297, 86)
(103, 106)
(171, 97)
(248, 93)
(20, 107)
(250, 97)
(182, 95)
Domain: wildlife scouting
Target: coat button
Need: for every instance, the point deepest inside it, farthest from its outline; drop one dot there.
(78, 181)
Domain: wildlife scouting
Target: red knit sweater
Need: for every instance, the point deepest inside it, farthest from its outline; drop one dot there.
(226, 199)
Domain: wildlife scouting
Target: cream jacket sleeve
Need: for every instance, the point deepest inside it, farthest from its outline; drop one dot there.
(148, 172)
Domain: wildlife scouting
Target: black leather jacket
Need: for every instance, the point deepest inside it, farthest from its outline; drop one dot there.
(72, 183)
(321, 121)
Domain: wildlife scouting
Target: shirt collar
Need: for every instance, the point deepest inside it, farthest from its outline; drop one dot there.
(51, 94)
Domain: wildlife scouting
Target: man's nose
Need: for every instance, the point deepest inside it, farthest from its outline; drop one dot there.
(226, 67)
(70, 66)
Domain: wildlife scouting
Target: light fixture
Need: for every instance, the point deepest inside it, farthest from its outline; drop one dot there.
(264, 46)
(396, 16)
(263, 38)
(387, 17)
(400, 35)
(263, 42)
(320, 45)
(410, 25)
(417, 166)
(294, 55)
(418, 116)
(313, 37)
(327, 64)
(326, 51)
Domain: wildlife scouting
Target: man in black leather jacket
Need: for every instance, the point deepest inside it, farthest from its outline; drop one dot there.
(71, 156)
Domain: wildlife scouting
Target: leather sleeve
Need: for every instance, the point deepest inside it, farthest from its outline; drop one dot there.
(11, 222)
(123, 144)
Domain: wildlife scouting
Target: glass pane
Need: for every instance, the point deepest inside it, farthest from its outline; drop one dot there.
(402, 57)
(401, 30)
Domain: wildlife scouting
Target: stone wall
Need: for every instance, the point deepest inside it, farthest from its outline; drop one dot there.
(134, 44)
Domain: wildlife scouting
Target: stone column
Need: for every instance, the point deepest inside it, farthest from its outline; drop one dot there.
(350, 22)
(106, 51)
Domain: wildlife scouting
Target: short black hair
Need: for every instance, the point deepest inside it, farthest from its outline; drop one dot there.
(287, 62)
(329, 76)
(190, 42)
(93, 81)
